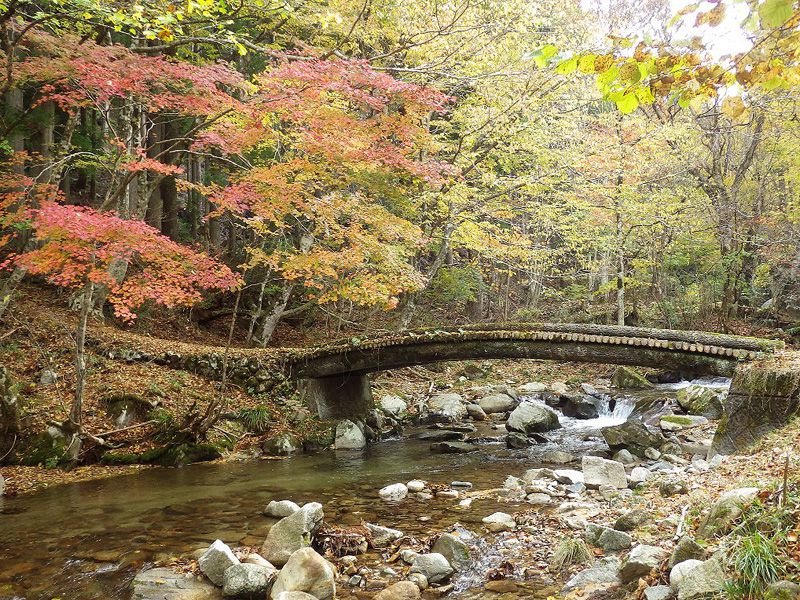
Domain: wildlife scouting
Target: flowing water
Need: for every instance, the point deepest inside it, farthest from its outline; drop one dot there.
(85, 541)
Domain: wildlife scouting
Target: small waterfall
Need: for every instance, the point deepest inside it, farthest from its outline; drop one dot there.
(618, 409)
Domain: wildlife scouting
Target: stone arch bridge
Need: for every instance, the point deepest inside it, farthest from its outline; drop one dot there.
(335, 378)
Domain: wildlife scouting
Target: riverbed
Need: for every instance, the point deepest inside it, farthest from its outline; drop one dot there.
(86, 541)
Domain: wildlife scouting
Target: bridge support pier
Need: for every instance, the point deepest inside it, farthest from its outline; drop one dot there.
(338, 397)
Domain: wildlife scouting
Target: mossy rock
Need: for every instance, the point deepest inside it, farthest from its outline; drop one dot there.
(321, 437)
(699, 400)
(166, 456)
(48, 449)
(626, 378)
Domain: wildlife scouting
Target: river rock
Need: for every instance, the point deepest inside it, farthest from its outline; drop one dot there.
(630, 520)
(497, 403)
(281, 445)
(433, 566)
(349, 436)
(517, 440)
(248, 580)
(630, 379)
(281, 508)
(393, 492)
(440, 435)
(702, 401)
(530, 388)
(659, 592)
(454, 550)
(48, 377)
(558, 457)
(382, 536)
(530, 417)
(416, 485)
(306, 571)
(606, 538)
(532, 475)
(783, 590)
(579, 407)
(685, 549)
(625, 457)
(698, 580)
(447, 407)
(294, 596)
(604, 571)
(453, 448)
(393, 405)
(640, 561)
(292, 533)
(215, 561)
(681, 422)
(499, 521)
(725, 511)
(163, 583)
(632, 435)
(402, 590)
(568, 476)
(639, 475)
(678, 572)
(476, 412)
(600, 471)
(2, 485)
(256, 559)
(673, 487)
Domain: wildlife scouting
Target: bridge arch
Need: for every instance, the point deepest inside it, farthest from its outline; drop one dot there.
(335, 378)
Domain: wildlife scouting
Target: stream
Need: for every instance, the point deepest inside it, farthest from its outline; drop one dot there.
(86, 541)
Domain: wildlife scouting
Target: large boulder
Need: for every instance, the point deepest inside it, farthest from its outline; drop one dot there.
(604, 571)
(247, 580)
(402, 590)
(632, 435)
(685, 549)
(215, 561)
(282, 445)
(531, 417)
(627, 378)
(580, 407)
(701, 400)
(698, 580)
(163, 583)
(601, 472)
(394, 492)
(306, 571)
(640, 561)
(606, 538)
(725, 511)
(281, 508)
(292, 533)
(446, 407)
(454, 550)
(497, 403)
(433, 566)
(531, 388)
(499, 521)
(393, 405)
(382, 536)
(349, 436)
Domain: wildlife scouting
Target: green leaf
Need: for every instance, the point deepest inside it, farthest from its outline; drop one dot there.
(627, 103)
(565, 67)
(775, 13)
(586, 63)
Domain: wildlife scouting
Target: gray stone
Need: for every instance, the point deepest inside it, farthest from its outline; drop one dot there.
(783, 590)
(702, 401)
(294, 596)
(538, 498)
(700, 581)
(419, 580)
(292, 533)
(530, 417)
(726, 510)
(679, 571)
(447, 407)
(659, 592)
(568, 476)
(163, 583)
(416, 485)
(632, 435)
(281, 508)
(282, 445)
(639, 475)
(628, 378)
(632, 519)
(393, 405)
(558, 457)
(685, 549)
(681, 422)
(625, 457)
(382, 536)
(673, 487)
(534, 474)
(454, 550)
(402, 590)
(248, 580)
(349, 436)
(533, 387)
(48, 377)
(652, 453)
(433, 566)
(215, 561)
(306, 571)
(497, 403)
(393, 492)
(499, 521)
(476, 412)
(606, 538)
(604, 571)
(579, 407)
(517, 440)
(640, 561)
(453, 448)
(599, 471)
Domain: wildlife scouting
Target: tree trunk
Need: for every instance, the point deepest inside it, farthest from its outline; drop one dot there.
(76, 415)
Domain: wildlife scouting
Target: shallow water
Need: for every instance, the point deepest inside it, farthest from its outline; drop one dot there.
(87, 540)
